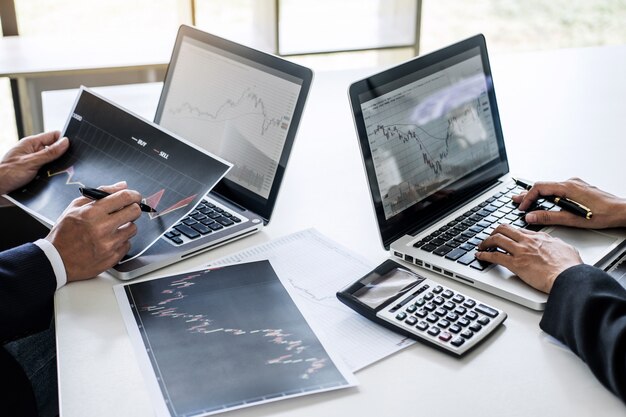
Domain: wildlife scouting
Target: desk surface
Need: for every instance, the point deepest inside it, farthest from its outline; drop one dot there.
(40, 56)
(561, 112)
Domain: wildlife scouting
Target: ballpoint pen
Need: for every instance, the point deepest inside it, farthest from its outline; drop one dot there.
(96, 194)
(563, 202)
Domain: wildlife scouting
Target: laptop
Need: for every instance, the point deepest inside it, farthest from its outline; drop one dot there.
(243, 105)
(437, 169)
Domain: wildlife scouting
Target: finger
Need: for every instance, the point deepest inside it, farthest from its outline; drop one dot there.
(496, 257)
(542, 189)
(57, 149)
(553, 217)
(80, 201)
(51, 152)
(118, 186)
(119, 200)
(500, 241)
(41, 140)
(509, 231)
(126, 231)
(519, 197)
(128, 214)
(48, 138)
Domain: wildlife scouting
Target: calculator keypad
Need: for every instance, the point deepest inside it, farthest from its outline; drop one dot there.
(445, 317)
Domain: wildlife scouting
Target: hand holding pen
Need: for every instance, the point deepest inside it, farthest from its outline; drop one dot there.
(565, 203)
(587, 207)
(96, 194)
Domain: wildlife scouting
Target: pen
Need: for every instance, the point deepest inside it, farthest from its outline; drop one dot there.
(563, 202)
(96, 194)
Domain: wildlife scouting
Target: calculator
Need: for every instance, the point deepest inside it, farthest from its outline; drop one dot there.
(422, 309)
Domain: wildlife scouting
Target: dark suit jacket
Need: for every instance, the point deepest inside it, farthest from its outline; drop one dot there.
(586, 310)
(27, 285)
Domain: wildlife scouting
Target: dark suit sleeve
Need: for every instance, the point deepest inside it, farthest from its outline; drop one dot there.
(586, 310)
(27, 285)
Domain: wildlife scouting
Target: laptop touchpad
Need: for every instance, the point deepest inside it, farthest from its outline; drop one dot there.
(592, 245)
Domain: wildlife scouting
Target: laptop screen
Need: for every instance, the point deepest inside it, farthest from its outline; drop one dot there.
(430, 135)
(238, 103)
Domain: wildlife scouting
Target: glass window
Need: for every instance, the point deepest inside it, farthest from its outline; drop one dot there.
(524, 25)
(250, 22)
(95, 18)
(330, 25)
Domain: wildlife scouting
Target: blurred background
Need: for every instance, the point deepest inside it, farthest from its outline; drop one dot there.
(321, 34)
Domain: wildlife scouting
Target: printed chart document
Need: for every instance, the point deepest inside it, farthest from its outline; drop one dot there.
(214, 340)
(107, 145)
(316, 268)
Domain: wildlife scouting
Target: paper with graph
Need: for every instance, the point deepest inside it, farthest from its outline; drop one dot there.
(316, 268)
(109, 144)
(215, 340)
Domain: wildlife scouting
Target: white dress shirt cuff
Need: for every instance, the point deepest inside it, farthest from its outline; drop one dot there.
(55, 260)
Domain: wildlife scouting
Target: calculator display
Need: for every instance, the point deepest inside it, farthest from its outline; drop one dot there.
(377, 289)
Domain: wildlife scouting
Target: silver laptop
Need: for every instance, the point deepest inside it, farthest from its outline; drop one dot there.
(243, 105)
(433, 149)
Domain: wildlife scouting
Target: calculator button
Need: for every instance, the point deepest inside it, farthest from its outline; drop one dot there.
(454, 328)
(433, 331)
(471, 315)
(449, 306)
(445, 336)
(419, 302)
(428, 296)
(487, 311)
(475, 327)
(447, 293)
(438, 300)
(401, 316)
(483, 320)
(463, 322)
(429, 307)
(452, 317)
(422, 325)
(440, 312)
(421, 313)
(443, 323)
(432, 318)
(458, 298)
(467, 334)
(469, 303)
(458, 342)
(437, 289)
(460, 310)
(411, 308)
(411, 321)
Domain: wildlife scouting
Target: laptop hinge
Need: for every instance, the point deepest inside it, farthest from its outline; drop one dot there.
(228, 200)
(238, 206)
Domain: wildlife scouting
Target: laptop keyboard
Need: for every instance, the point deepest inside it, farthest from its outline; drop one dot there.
(205, 219)
(458, 239)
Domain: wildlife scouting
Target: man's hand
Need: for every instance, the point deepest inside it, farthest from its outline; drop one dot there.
(21, 163)
(537, 258)
(608, 210)
(92, 236)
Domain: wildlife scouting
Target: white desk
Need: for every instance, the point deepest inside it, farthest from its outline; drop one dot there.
(562, 114)
(39, 63)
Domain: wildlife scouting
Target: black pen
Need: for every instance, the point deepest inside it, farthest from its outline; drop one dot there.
(563, 202)
(96, 194)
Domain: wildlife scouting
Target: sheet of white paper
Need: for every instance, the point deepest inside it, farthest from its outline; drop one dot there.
(316, 268)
